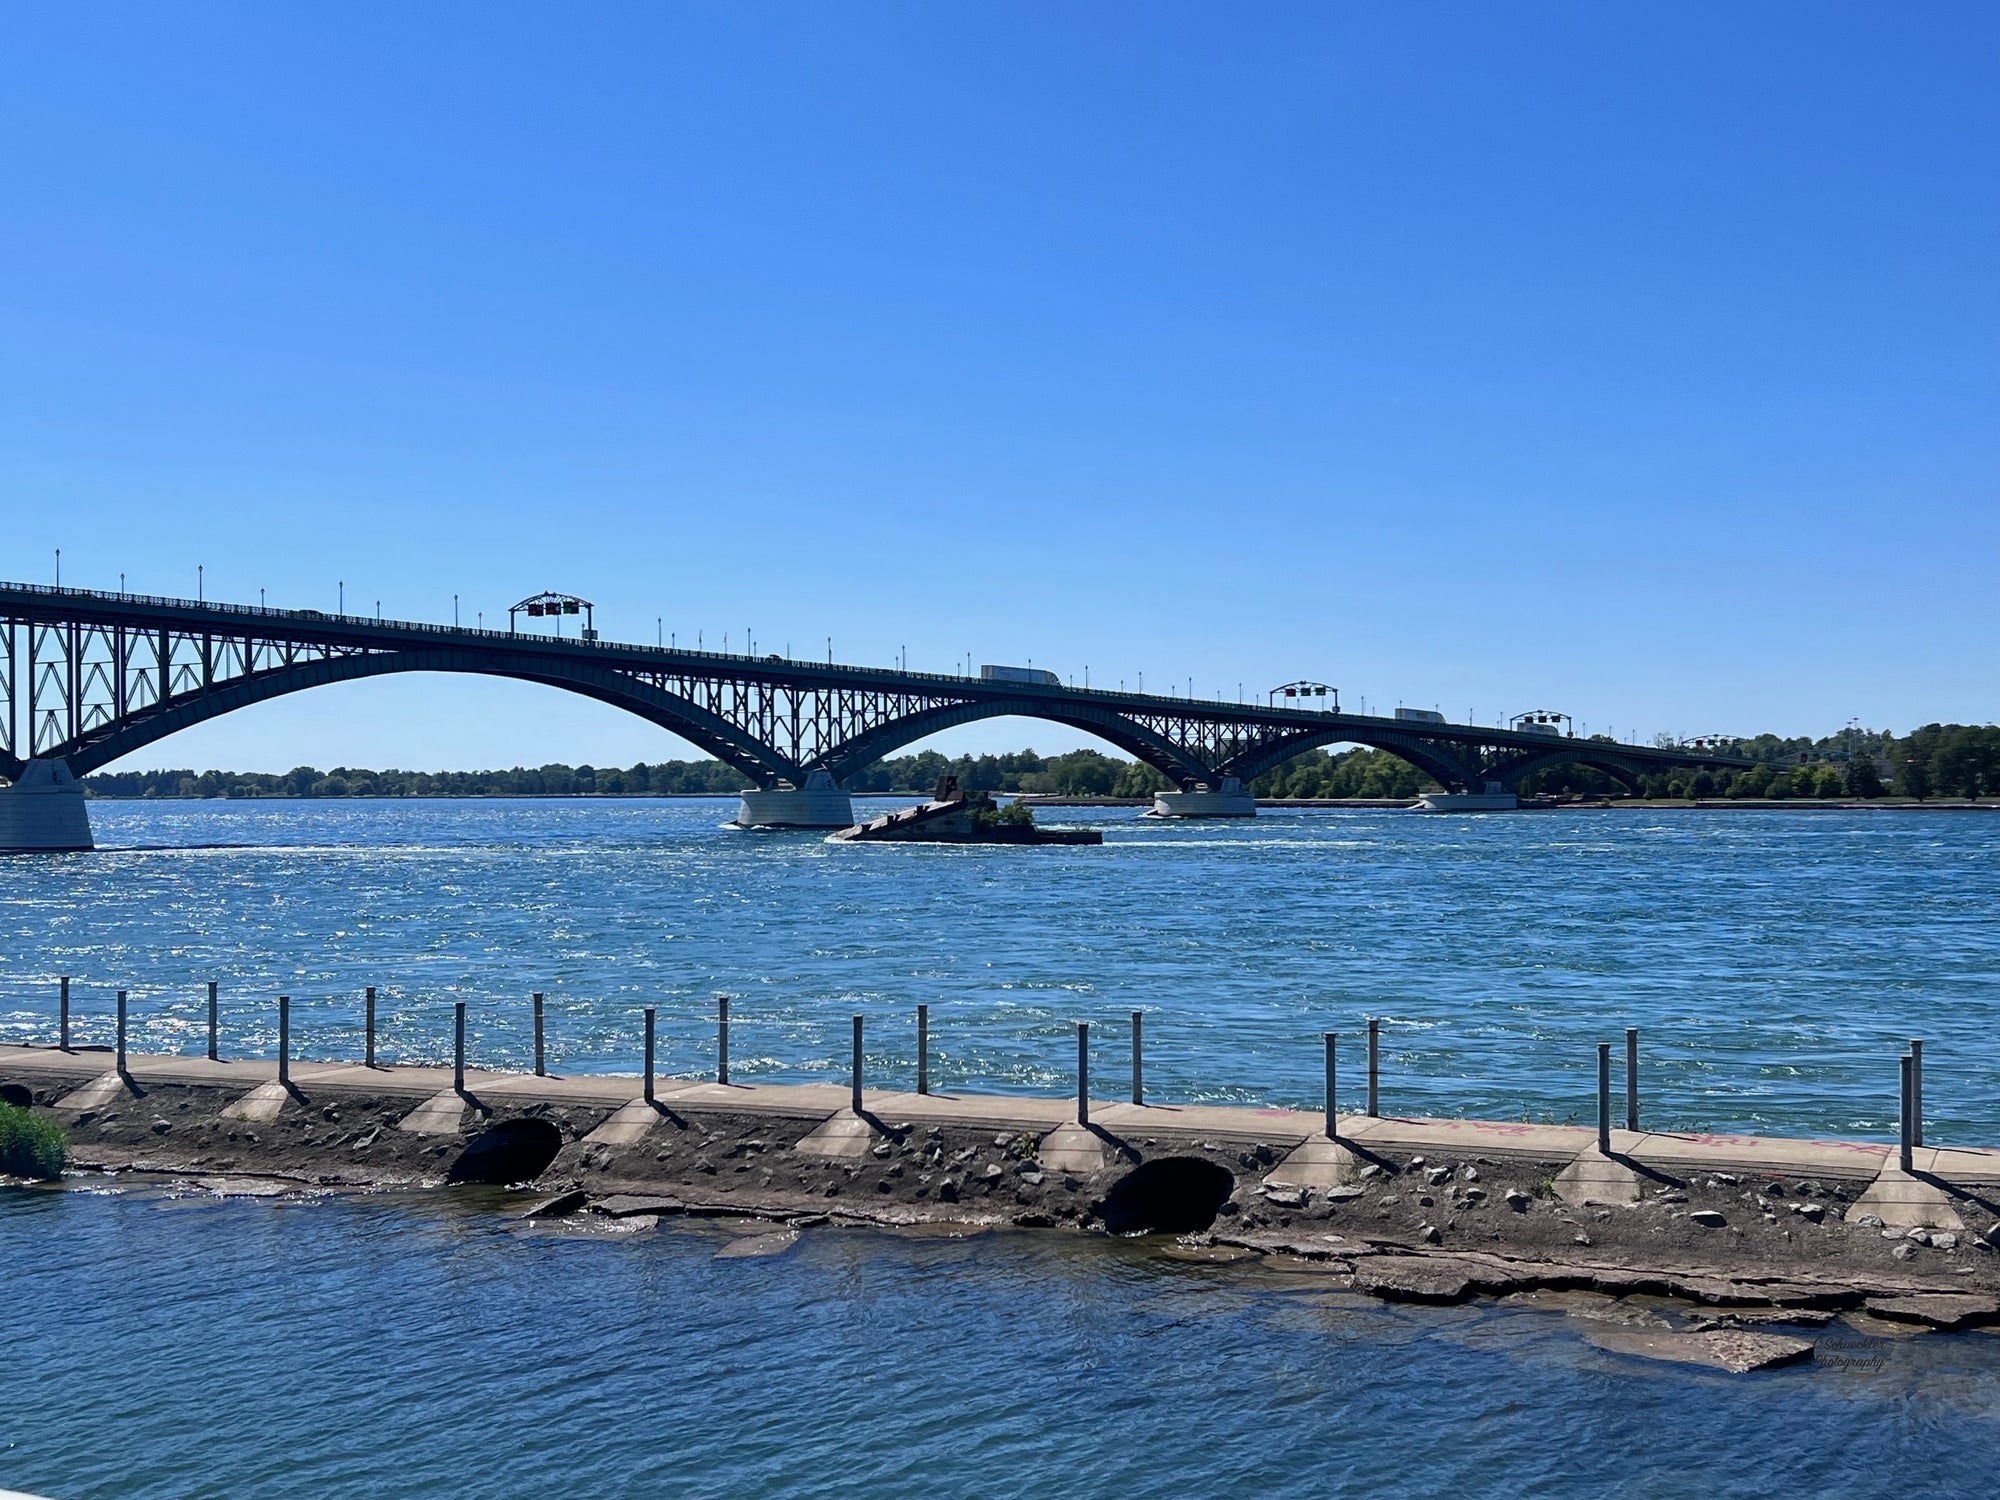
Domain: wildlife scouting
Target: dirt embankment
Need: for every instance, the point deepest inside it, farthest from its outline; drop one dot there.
(1762, 1247)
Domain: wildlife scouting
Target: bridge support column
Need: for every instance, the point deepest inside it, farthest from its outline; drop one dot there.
(1229, 800)
(43, 811)
(820, 803)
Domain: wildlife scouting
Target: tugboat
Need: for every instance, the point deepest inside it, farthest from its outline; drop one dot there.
(954, 817)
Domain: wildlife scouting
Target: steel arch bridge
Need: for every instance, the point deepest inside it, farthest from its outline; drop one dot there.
(87, 678)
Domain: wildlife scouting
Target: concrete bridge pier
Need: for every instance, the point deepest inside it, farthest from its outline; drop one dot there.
(43, 811)
(1229, 799)
(820, 803)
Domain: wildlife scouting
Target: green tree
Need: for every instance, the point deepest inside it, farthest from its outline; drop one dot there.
(1864, 778)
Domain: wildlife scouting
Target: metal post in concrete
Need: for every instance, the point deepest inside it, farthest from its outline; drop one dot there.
(541, 1054)
(368, 1029)
(458, 1046)
(1374, 1068)
(1138, 1057)
(212, 1020)
(121, 1033)
(64, 1034)
(1632, 1078)
(1903, 1141)
(1604, 1098)
(857, 1065)
(722, 1039)
(285, 1040)
(1083, 1072)
(1332, 1125)
(1916, 1092)
(923, 1049)
(650, 1023)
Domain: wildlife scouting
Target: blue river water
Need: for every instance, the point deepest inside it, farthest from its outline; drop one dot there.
(190, 1346)
(175, 1343)
(1776, 963)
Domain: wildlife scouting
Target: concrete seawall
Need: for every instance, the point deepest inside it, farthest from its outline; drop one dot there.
(1422, 1209)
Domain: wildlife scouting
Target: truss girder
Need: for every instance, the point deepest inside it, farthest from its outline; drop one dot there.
(90, 678)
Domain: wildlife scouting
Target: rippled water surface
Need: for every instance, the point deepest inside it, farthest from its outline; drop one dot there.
(181, 1345)
(1775, 962)
(195, 1347)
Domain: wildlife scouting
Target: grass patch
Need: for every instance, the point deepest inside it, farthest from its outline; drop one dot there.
(31, 1145)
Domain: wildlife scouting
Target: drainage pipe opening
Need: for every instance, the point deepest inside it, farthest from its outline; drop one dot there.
(511, 1151)
(1174, 1195)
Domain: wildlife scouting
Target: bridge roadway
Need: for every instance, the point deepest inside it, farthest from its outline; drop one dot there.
(87, 678)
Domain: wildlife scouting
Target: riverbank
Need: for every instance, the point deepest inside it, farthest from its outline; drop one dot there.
(1757, 1230)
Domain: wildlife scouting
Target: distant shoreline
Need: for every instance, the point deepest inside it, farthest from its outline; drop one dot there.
(1043, 799)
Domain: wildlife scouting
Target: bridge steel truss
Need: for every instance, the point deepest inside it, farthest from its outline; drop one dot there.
(89, 677)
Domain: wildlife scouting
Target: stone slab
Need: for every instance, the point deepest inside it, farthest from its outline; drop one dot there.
(1233, 1123)
(261, 1105)
(1965, 1165)
(1316, 1163)
(628, 1125)
(1599, 1179)
(845, 1135)
(1679, 1154)
(441, 1114)
(105, 1088)
(1904, 1202)
(1468, 1137)
(1733, 1349)
(1071, 1148)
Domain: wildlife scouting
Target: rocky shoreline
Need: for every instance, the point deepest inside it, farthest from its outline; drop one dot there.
(1731, 1268)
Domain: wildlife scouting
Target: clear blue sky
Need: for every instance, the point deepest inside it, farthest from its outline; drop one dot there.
(1641, 362)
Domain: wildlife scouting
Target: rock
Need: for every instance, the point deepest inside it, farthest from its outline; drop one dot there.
(1429, 1234)
(1031, 1179)
(1947, 1311)
(1708, 1218)
(1579, 1239)
(1473, 1195)
(1916, 1236)
(161, 1127)
(1943, 1239)
(1371, 1170)
(1904, 1252)
(1415, 1162)
(756, 1246)
(1345, 1194)
(1390, 1200)
(1284, 1197)
(1002, 1139)
(1518, 1200)
(947, 1191)
(881, 1149)
(1438, 1176)
(1035, 1219)
(1868, 1221)
(1811, 1212)
(625, 1205)
(992, 1172)
(1732, 1349)
(1409, 1278)
(1469, 1174)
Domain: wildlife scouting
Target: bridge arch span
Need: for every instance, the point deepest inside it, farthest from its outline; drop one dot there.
(1445, 770)
(1583, 753)
(705, 730)
(1134, 739)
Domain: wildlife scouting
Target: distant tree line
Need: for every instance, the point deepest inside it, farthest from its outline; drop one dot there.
(1950, 760)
